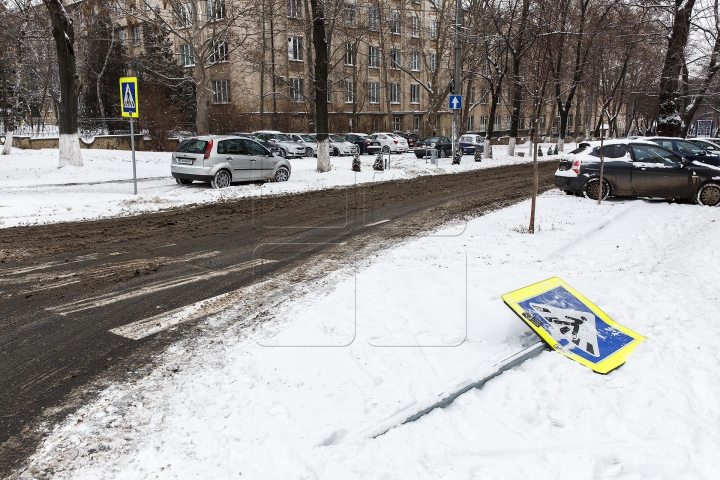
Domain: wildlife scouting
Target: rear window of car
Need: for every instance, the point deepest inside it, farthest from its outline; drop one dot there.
(610, 151)
(192, 146)
(580, 149)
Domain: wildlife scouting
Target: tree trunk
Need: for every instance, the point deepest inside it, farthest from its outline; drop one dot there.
(321, 87)
(64, 34)
(517, 86)
(98, 81)
(8, 131)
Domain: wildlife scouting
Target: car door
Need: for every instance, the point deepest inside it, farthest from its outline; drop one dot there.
(618, 169)
(236, 157)
(261, 161)
(658, 172)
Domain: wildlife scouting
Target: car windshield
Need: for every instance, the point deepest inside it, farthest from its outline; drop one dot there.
(335, 138)
(432, 140)
(687, 147)
(192, 146)
(282, 138)
(467, 138)
(308, 138)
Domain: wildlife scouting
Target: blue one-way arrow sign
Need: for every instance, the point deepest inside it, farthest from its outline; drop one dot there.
(455, 102)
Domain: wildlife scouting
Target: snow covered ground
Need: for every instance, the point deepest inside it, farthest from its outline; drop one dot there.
(303, 396)
(36, 191)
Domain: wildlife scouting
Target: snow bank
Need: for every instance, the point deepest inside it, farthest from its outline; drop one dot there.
(381, 338)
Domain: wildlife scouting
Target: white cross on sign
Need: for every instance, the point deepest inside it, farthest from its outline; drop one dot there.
(129, 97)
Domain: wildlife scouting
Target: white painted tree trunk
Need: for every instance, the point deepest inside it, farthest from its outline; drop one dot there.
(487, 151)
(511, 146)
(560, 144)
(8, 142)
(70, 150)
(323, 156)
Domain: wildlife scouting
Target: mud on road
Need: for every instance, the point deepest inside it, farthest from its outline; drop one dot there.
(64, 286)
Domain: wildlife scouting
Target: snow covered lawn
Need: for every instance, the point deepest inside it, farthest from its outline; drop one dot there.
(303, 396)
(34, 190)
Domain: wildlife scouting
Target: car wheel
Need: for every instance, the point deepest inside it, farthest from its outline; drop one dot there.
(222, 179)
(442, 153)
(282, 175)
(336, 152)
(386, 149)
(182, 181)
(709, 194)
(283, 154)
(309, 152)
(591, 189)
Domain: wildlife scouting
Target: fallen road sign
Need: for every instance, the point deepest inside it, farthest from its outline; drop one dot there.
(572, 325)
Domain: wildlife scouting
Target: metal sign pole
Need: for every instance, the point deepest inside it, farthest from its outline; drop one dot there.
(132, 147)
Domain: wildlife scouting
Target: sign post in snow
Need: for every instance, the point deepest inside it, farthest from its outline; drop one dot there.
(129, 107)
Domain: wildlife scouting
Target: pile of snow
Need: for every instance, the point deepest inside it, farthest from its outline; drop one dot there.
(36, 191)
(301, 397)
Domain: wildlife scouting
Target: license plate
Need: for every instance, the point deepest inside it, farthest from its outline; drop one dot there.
(185, 161)
(376, 144)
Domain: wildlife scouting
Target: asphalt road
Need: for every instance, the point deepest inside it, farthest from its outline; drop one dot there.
(63, 287)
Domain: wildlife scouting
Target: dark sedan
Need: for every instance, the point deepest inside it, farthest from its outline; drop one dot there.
(637, 169)
(442, 144)
(687, 149)
(361, 141)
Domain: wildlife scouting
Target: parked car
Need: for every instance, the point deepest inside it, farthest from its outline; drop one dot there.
(225, 159)
(359, 139)
(442, 144)
(255, 138)
(387, 142)
(288, 148)
(710, 145)
(637, 168)
(687, 149)
(471, 142)
(309, 141)
(412, 138)
(339, 146)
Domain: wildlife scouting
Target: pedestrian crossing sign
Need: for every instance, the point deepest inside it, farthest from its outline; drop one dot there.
(129, 97)
(572, 325)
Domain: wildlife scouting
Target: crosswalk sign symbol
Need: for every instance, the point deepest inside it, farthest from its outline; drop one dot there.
(129, 97)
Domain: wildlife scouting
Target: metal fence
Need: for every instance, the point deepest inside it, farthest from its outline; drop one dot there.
(89, 128)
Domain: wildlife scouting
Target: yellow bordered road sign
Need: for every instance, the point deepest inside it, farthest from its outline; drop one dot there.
(572, 325)
(129, 97)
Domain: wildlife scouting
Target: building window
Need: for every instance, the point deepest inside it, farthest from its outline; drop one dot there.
(219, 52)
(496, 123)
(471, 97)
(397, 124)
(185, 15)
(350, 53)
(470, 123)
(329, 91)
(542, 121)
(186, 56)
(221, 91)
(376, 124)
(415, 27)
(415, 61)
(483, 123)
(484, 99)
(570, 121)
(297, 89)
(395, 23)
(521, 123)
(373, 57)
(294, 9)
(374, 17)
(349, 91)
(395, 58)
(350, 15)
(374, 92)
(415, 93)
(433, 62)
(121, 37)
(135, 35)
(394, 93)
(433, 29)
(416, 123)
(508, 122)
(214, 9)
(295, 48)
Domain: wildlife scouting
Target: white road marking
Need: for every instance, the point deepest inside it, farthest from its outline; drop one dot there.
(158, 323)
(376, 223)
(109, 298)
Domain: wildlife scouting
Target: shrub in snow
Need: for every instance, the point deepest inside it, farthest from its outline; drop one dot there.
(356, 162)
(478, 155)
(378, 165)
(540, 154)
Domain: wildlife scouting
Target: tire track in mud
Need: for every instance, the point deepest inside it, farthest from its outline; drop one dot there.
(51, 364)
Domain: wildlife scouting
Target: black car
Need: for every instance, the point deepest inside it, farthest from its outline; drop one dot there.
(687, 149)
(273, 149)
(442, 144)
(412, 138)
(361, 141)
(637, 169)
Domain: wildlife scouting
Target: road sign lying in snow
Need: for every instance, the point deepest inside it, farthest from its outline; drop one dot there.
(572, 325)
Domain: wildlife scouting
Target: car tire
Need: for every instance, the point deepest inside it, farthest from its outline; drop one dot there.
(183, 181)
(281, 175)
(386, 149)
(283, 153)
(309, 152)
(442, 153)
(221, 179)
(335, 152)
(591, 189)
(708, 195)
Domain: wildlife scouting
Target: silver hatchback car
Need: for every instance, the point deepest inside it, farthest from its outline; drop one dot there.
(222, 160)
